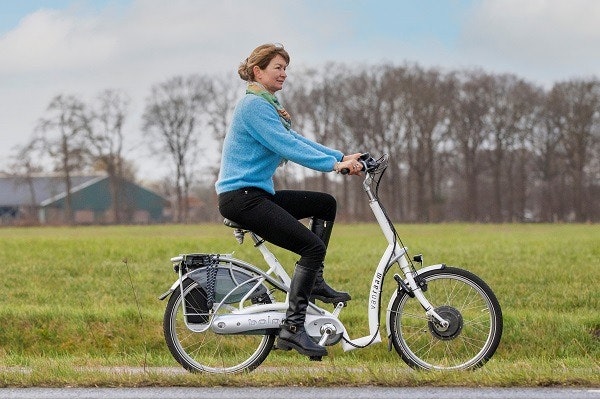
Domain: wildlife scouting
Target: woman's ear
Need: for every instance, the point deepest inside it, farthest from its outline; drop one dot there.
(257, 71)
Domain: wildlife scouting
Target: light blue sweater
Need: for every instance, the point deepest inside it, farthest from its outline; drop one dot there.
(257, 142)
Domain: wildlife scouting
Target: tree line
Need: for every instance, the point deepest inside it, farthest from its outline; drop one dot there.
(464, 145)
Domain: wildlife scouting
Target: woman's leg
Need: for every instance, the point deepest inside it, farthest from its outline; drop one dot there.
(257, 211)
(307, 204)
(321, 208)
(275, 218)
(321, 290)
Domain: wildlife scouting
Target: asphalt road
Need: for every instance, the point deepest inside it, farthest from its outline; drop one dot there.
(300, 393)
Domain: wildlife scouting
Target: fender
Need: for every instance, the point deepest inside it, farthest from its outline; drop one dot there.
(227, 280)
(235, 274)
(395, 294)
(169, 291)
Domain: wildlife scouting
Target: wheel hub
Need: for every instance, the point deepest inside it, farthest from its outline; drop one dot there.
(455, 320)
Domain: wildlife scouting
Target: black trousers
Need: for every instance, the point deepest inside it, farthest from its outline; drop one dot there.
(276, 218)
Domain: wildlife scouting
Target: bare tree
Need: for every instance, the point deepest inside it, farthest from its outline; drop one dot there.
(509, 111)
(546, 140)
(24, 166)
(367, 120)
(426, 107)
(520, 164)
(492, 146)
(61, 134)
(173, 117)
(220, 109)
(577, 113)
(394, 141)
(314, 103)
(467, 129)
(104, 133)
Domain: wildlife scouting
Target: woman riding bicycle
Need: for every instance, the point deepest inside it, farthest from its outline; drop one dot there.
(260, 139)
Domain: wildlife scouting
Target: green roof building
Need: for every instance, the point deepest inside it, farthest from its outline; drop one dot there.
(43, 199)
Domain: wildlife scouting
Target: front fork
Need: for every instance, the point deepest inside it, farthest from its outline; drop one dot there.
(413, 288)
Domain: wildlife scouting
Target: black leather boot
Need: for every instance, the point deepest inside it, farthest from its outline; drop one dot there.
(321, 290)
(292, 334)
(324, 293)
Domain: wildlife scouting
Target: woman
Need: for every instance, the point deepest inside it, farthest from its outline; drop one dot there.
(260, 139)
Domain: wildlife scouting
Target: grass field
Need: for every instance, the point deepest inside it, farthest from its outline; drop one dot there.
(69, 310)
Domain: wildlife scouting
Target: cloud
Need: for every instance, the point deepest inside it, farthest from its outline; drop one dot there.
(549, 39)
(150, 33)
(52, 40)
(83, 50)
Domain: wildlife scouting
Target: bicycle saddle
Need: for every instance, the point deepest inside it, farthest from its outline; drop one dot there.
(233, 225)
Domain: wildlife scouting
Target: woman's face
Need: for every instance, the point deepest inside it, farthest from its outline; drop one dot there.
(273, 76)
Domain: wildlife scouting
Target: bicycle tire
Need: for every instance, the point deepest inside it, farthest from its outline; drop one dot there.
(475, 323)
(207, 351)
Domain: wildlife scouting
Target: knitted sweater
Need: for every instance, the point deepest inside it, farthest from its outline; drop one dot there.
(257, 143)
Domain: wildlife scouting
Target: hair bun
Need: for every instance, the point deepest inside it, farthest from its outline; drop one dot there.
(243, 70)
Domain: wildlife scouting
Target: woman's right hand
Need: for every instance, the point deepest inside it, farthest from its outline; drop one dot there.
(349, 165)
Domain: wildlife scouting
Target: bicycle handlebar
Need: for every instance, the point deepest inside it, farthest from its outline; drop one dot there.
(368, 162)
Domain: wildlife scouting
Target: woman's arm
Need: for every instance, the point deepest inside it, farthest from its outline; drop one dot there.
(262, 122)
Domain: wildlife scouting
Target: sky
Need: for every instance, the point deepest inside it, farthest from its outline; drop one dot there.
(83, 47)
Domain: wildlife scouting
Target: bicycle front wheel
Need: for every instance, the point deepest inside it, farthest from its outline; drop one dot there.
(464, 300)
(200, 349)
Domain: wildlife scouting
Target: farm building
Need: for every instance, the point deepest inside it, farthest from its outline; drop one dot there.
(42, 199)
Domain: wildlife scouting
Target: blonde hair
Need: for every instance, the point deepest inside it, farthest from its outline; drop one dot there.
(261, 57)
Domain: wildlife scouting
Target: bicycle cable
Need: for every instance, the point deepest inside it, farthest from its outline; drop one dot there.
(396, 240)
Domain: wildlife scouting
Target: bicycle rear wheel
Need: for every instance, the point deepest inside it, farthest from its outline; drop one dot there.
(470, 306)
(197, 348)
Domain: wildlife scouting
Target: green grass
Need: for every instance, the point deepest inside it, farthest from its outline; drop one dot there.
(69, 313)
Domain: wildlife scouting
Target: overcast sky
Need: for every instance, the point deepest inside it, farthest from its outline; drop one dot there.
(82, 47)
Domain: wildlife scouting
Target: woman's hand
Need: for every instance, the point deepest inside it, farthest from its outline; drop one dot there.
(351, 157)
(350, 162)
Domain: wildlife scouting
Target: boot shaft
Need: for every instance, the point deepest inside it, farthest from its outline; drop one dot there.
(322, 228)
(300, 289)
(321, 290)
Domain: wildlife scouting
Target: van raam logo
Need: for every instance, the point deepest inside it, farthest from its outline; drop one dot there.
(375, 290)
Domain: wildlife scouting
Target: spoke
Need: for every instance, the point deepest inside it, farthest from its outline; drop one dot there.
(204, 350)
(419, 341)
(420, 316)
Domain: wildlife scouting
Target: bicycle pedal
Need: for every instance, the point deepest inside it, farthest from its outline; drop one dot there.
(315, 358)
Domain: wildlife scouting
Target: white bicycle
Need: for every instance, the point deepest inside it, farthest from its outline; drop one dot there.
(223, 316)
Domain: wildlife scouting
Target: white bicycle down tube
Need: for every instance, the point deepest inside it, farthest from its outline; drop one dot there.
(373, 307)
(392, 251)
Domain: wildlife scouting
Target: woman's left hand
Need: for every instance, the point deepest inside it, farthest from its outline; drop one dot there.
(351, 157)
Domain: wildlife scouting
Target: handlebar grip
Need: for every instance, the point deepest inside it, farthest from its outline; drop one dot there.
(363, 157)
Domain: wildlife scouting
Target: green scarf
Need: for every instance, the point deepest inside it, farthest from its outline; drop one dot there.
(259, 90)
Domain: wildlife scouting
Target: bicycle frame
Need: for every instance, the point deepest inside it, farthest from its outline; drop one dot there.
(393, 254)
(224, 314)
(248, 318)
